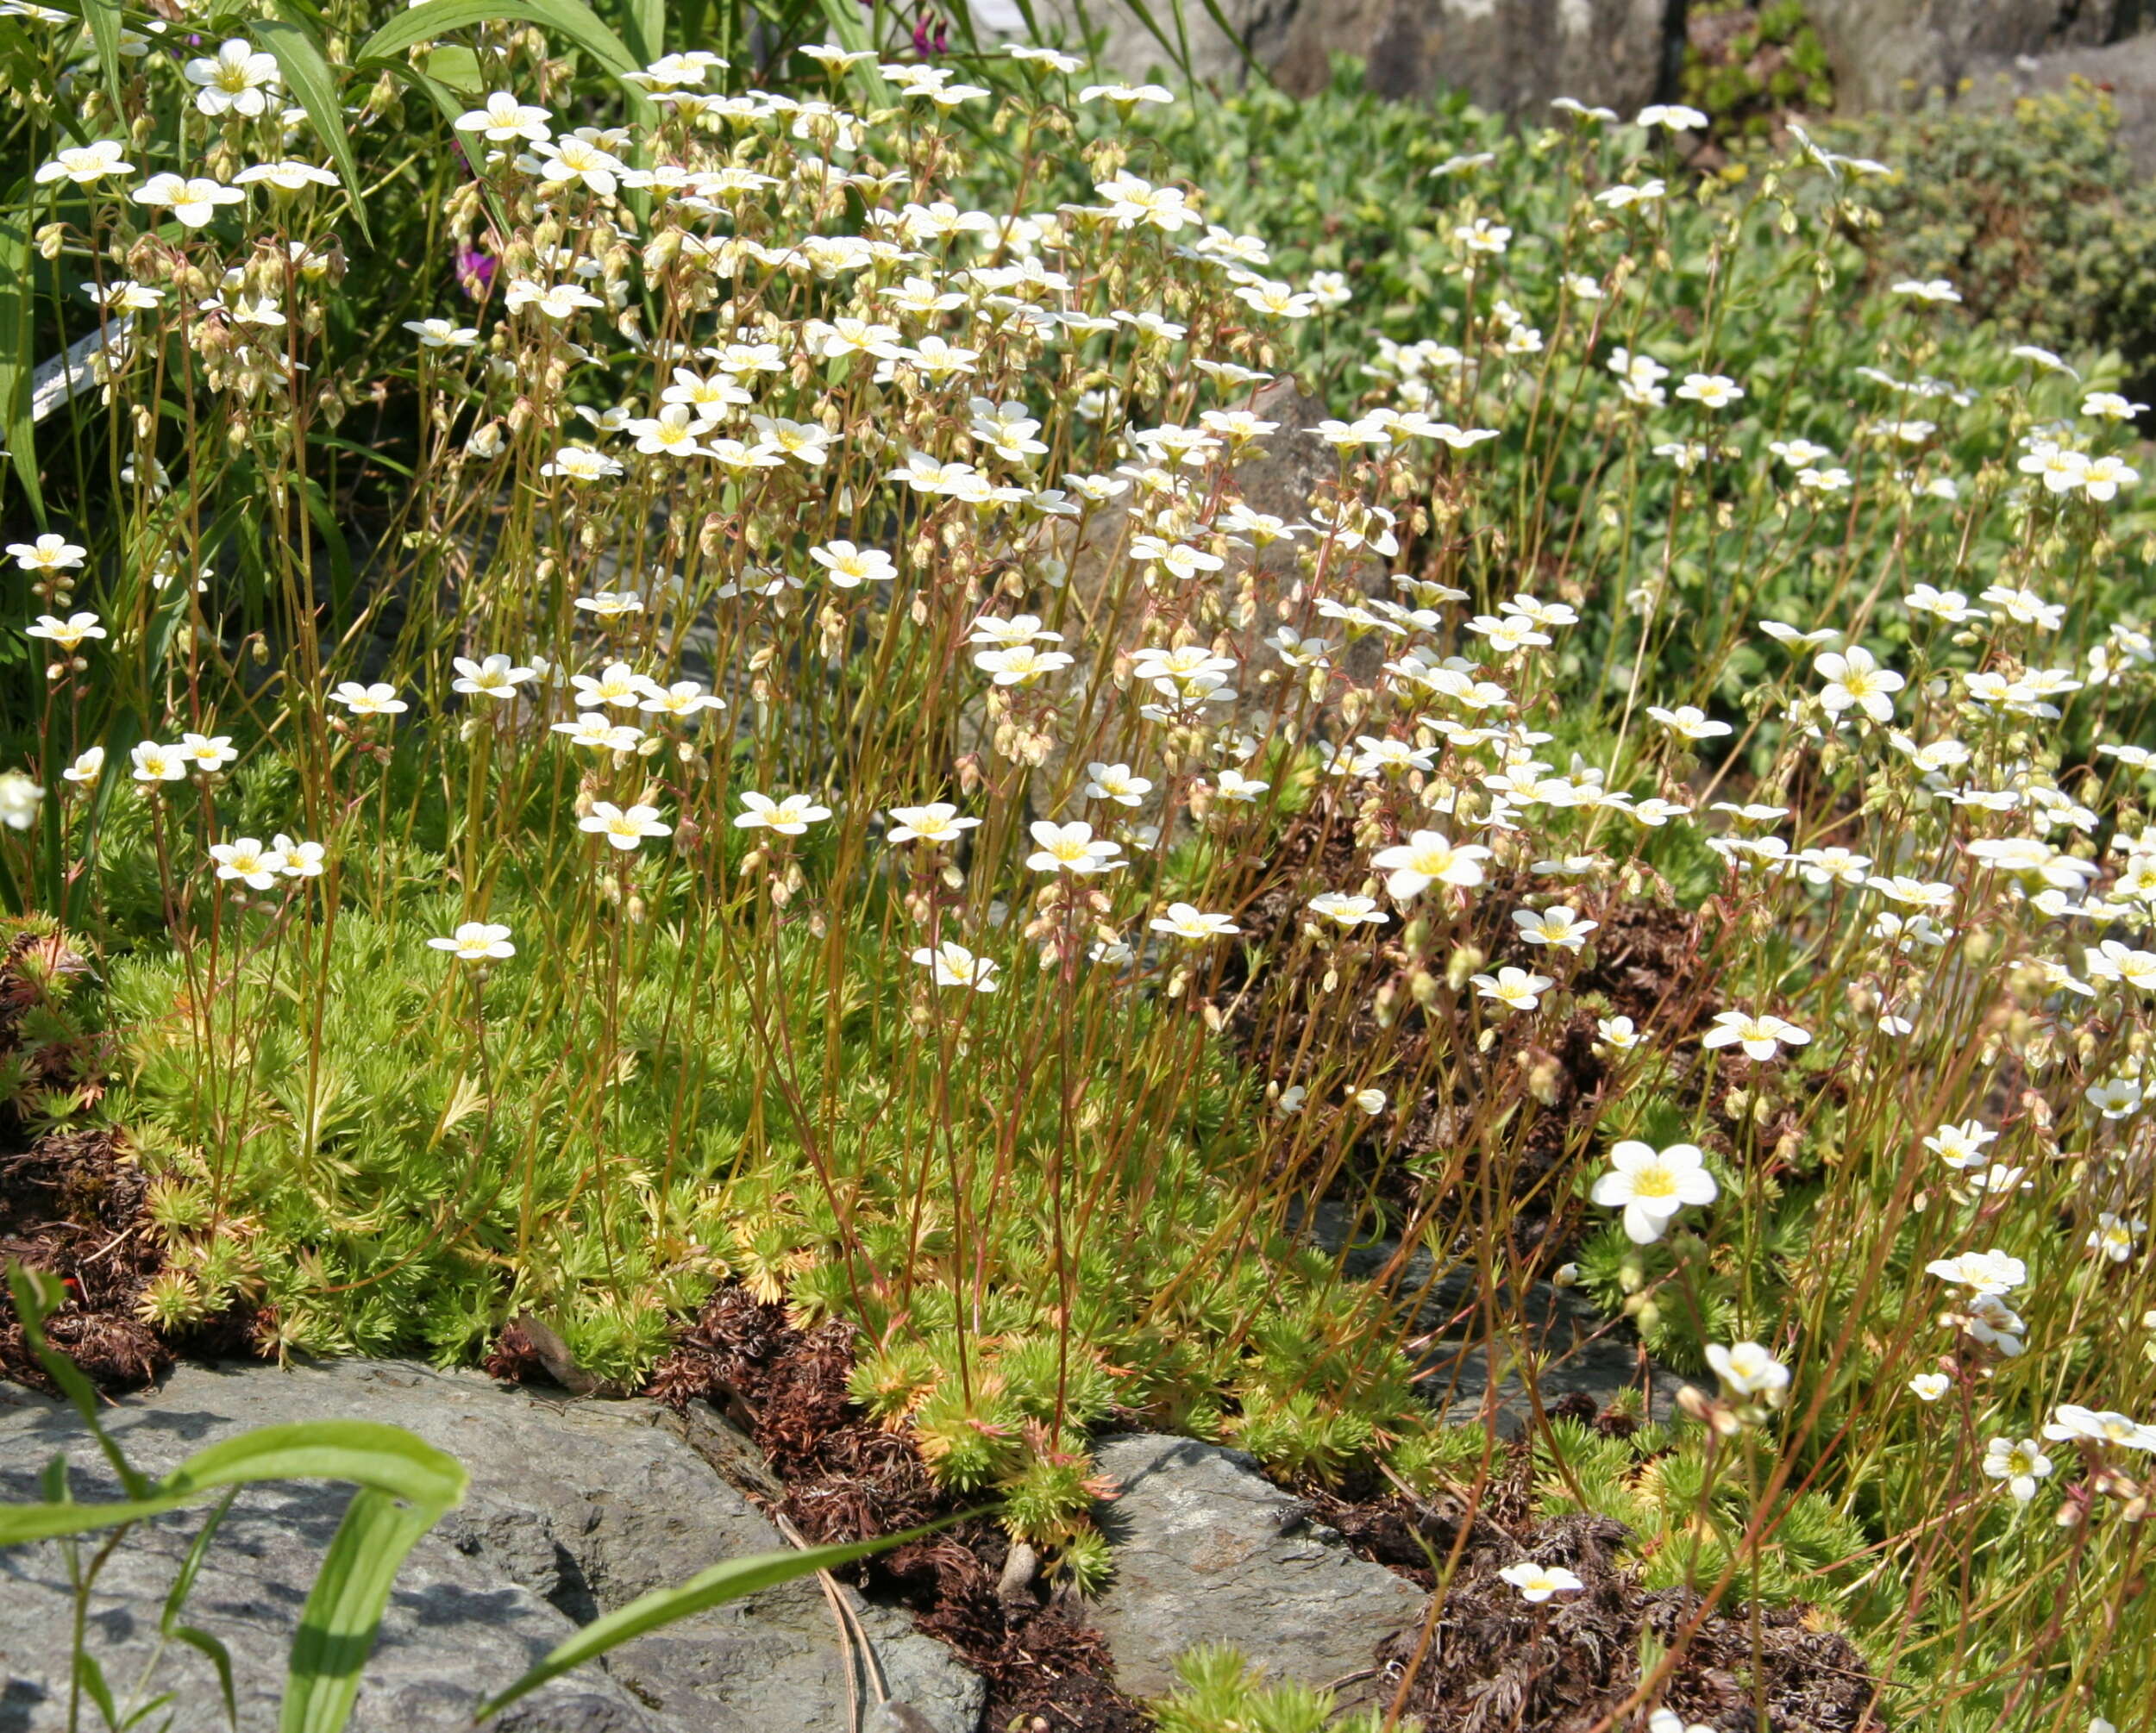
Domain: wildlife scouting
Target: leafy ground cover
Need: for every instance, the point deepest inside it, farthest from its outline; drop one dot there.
(658, 690)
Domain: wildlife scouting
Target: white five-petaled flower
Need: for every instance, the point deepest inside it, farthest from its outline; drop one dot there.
(1710, 390)
(1514, 988)
(83, 164)
(1747, 1369)
(239, 79)
(850, 566)
(49, 553)
(1651, 1186)
(1428, 858)
(789, 818)
(156, 763)
(505, 119)
(937, 822)
(1182, 921)
(1537, 1583)
(1556, 925)
(194, 202)
(1855, 680)
(245, 858)
(2020, 1463)
(476, 942)
(207, 751)
(378, 699)
(68, 634)
(956, 967)
(497, 676)
(1349, 910)
(624, 828)
(1070, 848)
(1761, 1037)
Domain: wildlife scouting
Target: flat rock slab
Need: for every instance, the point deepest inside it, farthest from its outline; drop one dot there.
(1209, 1551)
(575, 1509)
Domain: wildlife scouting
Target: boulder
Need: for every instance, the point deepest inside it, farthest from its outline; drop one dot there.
(1209, 1551)
(1469, 1379)
(2124, 72)
(1512, 55)
(575, 1509)
(1890, 53)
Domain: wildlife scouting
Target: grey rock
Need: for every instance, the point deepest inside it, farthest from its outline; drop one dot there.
(1207, 1550)
(575, 1509)
(1511, 55)
(2124, 72)
(1471, 1377)
(1891, 54)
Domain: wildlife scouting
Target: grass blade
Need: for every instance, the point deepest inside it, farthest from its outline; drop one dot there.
(307, 72)
(104, 18)
(16, 334)
(344, 1609)
(572, 18)
(714, 1587)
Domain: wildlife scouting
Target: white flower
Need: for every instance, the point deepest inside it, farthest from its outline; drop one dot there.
(593, 729)
(2021, 1465)
(505, 120)
(155, 763)
(497, 676)
(1556, 925)
(207, 752)
(1757, 1035)
(684, 700)
(1855, 679)
(1348, 911)
(937, 822)
(1617, 1032)
(2070, 1421)
(2115, 1237)
(299, 859)
(193, 202)
(1929, 1386)
(1748, 1369)
(49, 553)
(247, 859)
(1961, 1146)
(1676, 117)
(1537, 1583)
(286, 176)
(83, 164)
(20, 798)
(68, 634)
(88, 766)
(378, 699)
(1992, 1273)
(1515, 989)
(1184, 921)
(1651, 1186)
(1710, 390)
(850, 566)
(239, 79)
(1114, 782)
(624, 828)
(476, 942)
(1428, 858)
(1936, 289)
(1689, 722)
(956, 967)
(789, 818)
(441, 333)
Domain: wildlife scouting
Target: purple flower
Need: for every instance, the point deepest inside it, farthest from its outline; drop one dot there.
(930, 37)
(475, 271)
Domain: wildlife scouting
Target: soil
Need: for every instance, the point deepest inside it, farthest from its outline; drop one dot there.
(1496, 1662)
(1652, 960)
(846, 1477)
(73, 1200)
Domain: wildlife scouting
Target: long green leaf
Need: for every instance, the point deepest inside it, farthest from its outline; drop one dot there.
(344, 1609)
(365, 1452)
(219, 1657)
(104, 18)
(388, 1459)
(17, 332)
(728, 1581)
(306, 70)
(574, 20)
